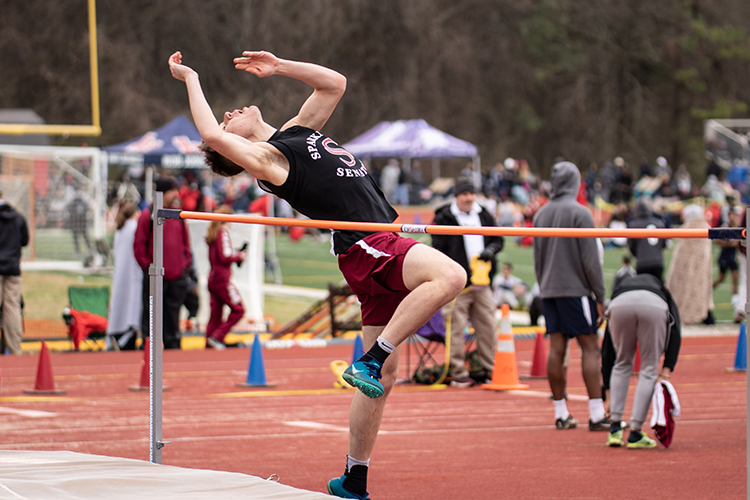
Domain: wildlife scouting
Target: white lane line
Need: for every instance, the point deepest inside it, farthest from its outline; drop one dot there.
(315, 425)
(26, 413)
(538, 394)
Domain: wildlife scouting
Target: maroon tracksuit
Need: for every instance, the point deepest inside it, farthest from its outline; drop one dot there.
(221, 256)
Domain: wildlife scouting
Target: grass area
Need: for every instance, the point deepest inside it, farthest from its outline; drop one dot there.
(45, 294)
(308, 263)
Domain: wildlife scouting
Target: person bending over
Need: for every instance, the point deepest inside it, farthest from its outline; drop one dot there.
(399, 282)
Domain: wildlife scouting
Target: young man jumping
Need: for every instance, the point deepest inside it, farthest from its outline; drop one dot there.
(399, 282)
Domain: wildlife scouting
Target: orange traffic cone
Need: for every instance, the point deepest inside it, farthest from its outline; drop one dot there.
(505, 372)
(145, 384)
(539, 363)
(45, 381)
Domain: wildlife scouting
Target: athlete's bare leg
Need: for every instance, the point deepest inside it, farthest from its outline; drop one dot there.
(434, 280)
(555, 371)
(590, 365)
(365, 414)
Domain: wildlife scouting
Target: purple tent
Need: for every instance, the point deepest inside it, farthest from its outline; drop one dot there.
(409, 139)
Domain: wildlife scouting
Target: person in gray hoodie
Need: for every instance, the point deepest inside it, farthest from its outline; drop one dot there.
(571, 282)
(647, 251)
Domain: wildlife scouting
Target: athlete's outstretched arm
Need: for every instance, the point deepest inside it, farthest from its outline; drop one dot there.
(234, 147)
(328, 85)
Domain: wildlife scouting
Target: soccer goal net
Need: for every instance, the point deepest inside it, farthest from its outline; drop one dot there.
(727, 141)
(61, 191)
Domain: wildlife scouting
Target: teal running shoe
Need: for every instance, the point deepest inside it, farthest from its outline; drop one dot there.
(365, 376)
(336, 488)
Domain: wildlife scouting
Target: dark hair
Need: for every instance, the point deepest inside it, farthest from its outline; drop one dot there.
(126, 212)
(219, 164)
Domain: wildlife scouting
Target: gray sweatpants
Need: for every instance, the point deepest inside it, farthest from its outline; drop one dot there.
(637, 318)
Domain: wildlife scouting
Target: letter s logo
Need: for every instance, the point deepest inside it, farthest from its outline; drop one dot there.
(333, 148)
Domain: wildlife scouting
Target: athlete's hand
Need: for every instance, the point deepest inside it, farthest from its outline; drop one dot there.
(600, 314)
(179, 70)
(260, 63)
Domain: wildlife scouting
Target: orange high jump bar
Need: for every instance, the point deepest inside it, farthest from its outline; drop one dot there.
(718, 233)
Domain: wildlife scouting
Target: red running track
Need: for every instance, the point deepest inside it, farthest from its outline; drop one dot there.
(444, 443)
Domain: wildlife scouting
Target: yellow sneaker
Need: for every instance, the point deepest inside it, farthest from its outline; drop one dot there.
(643, 442)
(615, 439)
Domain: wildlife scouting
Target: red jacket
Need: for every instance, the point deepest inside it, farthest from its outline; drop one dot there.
(221, 256)
(177, 254)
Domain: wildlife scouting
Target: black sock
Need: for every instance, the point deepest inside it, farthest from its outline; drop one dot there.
(356, 479)
(377, 352)
(634, 436)
(614, 427)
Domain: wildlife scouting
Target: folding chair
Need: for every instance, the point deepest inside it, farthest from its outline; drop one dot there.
(87, 314)
(425, 343)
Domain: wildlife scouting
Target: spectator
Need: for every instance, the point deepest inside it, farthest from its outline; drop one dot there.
(476, 254)
(221, 255)
(608, 180)
(713, 168)
(683, 182)
(403, 188)
(14, 234)
(663, 169)
(78, 219)
(624, 184)
(571, 282)
(389, 178)
(192, 298)
(625, 271)
(738, 303)
(642, 316)
(191, 195)
(177, 260)
(689, 277)
(590, 181)
(617, 222)
(510, 289)
(644, 167)
(647, 251)
(126, 304)
(727, 259)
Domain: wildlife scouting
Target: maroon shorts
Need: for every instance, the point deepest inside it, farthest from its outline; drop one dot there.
(373, 268)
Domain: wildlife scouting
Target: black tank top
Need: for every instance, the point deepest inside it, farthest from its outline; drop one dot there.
(326, 182)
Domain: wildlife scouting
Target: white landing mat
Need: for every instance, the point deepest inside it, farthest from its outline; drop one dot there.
(58, 475)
